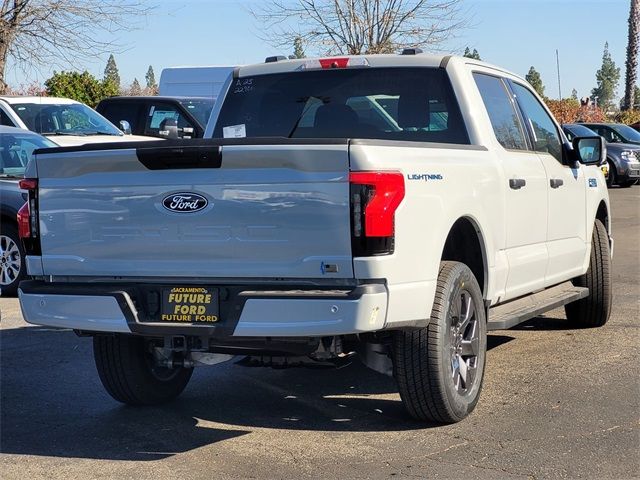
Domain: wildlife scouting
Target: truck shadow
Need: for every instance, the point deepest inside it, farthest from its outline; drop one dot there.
(52, 403)
(542, 323)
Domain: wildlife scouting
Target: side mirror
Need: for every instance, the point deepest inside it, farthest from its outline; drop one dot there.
(168, 128)
(589, 150)
(125, 127)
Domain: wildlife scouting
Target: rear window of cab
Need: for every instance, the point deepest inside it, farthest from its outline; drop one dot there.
(409, 104)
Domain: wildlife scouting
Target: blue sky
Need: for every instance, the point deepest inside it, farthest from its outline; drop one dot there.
(514, 34)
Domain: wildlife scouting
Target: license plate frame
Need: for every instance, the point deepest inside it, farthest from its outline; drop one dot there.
(190, 305)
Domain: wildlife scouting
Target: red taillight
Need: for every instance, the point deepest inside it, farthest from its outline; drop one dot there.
(375, 197)
(387, 191)
(28, 183)
(28, 217)
(24, 221)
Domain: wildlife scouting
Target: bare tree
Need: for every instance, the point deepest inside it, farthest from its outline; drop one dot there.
(359, 26)
(632, 55)
(62, 32)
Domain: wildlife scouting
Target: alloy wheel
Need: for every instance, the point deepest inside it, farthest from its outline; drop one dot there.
(10, 261)
(465, 343)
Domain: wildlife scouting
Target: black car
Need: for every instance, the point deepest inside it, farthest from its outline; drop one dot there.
(623, 149)
(16, 147)
(163, 117)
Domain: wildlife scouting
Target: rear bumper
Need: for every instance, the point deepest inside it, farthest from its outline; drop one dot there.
(245, 311)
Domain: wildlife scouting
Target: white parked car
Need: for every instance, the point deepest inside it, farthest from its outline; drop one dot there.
(193, 81)
(64, 121)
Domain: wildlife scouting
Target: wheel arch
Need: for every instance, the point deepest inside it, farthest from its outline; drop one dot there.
(466, 243)
(9, 218)
(602, 214)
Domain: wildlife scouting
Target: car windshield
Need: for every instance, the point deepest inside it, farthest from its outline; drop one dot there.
(64, 119)
(200, 109)
(573, 131)
(627, 133)
(16, 150)
(412, 104)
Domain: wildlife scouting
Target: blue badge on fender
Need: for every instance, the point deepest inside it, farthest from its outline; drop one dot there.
(593, 182)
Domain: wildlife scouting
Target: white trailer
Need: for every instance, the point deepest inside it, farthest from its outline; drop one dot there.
(193, 81)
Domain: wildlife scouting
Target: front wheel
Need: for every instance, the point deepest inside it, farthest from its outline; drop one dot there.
(627, 184)
(595, 308)
(440, 368)
(128, 372)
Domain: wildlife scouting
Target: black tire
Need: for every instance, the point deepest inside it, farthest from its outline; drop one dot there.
(11, 258)
(128, 374)
(595, 308)
(627, 184)
(424, 359)
(613, 177)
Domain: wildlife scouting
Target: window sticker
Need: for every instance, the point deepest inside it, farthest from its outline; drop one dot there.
(234, 131)
(243, 85)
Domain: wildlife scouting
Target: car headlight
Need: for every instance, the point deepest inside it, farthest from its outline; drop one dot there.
(628, 155)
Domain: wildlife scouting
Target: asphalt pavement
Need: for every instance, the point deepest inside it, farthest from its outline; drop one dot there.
(556, 403)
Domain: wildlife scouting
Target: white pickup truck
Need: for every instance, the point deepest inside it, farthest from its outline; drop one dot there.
(396, 207)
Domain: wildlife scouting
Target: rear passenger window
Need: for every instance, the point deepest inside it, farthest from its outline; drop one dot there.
(545, 134)
(502, 113)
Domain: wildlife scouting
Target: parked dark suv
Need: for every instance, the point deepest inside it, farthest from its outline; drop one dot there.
(163, 117)
(623, 151)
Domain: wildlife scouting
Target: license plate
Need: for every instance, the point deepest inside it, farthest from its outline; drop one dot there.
(190, 305)
(634, 173)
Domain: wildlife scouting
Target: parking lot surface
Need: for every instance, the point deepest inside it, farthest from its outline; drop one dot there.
(556, 403)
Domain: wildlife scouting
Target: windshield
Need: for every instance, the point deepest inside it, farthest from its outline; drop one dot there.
(200, 109)
(414, 104)
(16, 150)
(628, 134)
(64, 119)
(573, 131)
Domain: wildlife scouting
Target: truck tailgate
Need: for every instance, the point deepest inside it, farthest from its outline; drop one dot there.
(203, 210)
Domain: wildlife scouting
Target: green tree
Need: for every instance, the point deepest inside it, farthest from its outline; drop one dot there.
(632, 55)
(533, 77)
(469, 54)
(82, 87)
(150, 77)
(574, 94)
(298, 50)
(135, 88)
(607, 79)
(111, 73)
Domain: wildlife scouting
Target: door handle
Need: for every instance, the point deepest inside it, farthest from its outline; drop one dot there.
(517, 183)
(556, 182)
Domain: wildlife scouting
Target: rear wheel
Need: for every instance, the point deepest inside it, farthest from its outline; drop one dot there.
(595, 308)
(12, 266)
(128, 372)
(440, 368)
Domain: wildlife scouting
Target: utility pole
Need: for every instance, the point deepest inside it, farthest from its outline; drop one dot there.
(558, 68)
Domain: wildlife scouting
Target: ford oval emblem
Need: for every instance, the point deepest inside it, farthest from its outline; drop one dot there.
(184, 202)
